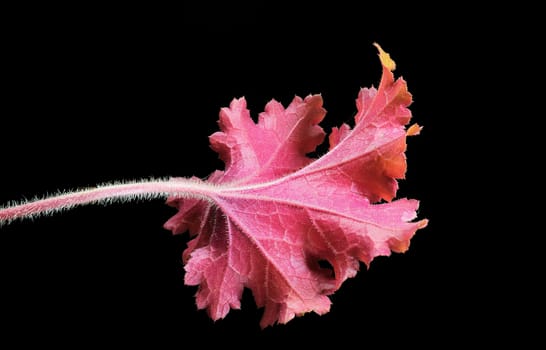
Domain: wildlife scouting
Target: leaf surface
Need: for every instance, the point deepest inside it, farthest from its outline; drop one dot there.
(277, 212)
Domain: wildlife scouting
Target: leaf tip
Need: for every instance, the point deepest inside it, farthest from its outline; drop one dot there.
(385, 58)
(422, 223)
(413, 130)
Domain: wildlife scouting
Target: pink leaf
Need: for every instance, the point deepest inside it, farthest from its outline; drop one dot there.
(274, 213)
(280, 212)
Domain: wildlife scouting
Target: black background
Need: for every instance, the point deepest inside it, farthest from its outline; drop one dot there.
(92, 95)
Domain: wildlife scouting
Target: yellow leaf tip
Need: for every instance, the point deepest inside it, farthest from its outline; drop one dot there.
(385, 58)
(413, 130)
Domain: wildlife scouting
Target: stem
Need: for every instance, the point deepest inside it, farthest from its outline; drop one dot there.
(179, 187)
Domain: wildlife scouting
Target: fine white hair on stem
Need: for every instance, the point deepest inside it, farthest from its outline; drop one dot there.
(106, 193)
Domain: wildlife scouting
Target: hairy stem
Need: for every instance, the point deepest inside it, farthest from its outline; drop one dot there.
(107, 194)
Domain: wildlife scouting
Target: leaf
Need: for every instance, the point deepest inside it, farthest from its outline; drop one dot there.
(280, 212)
